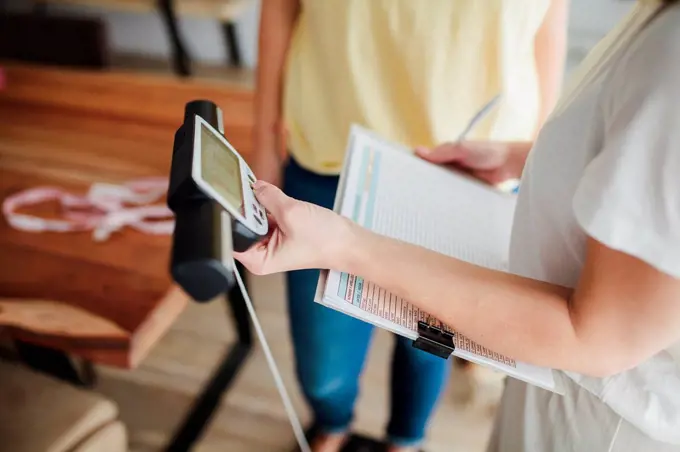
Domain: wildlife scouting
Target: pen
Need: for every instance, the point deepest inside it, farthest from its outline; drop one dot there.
(508, 186)
(481, 114)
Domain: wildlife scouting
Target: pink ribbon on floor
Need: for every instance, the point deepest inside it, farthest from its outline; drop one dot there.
(106, 208)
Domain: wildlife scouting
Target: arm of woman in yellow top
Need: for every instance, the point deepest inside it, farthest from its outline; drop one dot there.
(495, 162)
(551, 54)
(277, 22)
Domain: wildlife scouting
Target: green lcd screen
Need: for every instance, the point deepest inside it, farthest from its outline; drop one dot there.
(220, 168)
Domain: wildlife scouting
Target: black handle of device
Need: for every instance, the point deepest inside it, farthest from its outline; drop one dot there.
(201, 257)
(207, 110)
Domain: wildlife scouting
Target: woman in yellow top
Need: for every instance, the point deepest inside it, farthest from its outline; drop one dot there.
(415, 72)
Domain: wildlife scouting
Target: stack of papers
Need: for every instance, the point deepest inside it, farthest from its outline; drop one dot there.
(387, 189)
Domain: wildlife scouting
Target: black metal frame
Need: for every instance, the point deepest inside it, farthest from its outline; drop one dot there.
(181, 60)
(56, 364)
(60, 365)
(180, 57)
(231, 41)
(207, 402)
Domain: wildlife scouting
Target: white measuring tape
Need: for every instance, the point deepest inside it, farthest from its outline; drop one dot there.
(104, 209)
(290, 411)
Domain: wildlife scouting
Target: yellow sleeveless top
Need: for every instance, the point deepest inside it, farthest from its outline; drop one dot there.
(414, 71)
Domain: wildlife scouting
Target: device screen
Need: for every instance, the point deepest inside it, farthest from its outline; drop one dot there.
(221, 169)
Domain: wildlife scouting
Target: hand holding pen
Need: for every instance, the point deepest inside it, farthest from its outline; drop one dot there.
(497, 163)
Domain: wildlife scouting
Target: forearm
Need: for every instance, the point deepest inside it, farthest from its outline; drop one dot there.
(522, 318)
(550, 53)
(277, 22)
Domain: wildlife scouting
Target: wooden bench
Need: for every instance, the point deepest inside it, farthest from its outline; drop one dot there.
(69, 129)
(226, 11)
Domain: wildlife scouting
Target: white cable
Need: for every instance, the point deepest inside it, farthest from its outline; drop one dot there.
(292, 416)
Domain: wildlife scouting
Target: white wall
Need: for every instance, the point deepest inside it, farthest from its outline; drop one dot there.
(597, 16)
(589, 21)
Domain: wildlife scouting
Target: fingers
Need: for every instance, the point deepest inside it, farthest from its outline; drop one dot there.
(271, 197)
(444, 153)
(257, 259)
(273, 224)
(268, 256)
(254, 258)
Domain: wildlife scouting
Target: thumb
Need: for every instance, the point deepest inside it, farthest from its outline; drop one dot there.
(271, 197)
(444, 153)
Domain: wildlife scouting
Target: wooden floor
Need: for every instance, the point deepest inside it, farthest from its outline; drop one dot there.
(251, 418)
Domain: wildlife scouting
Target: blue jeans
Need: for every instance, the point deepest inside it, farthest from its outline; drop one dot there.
(330, 347)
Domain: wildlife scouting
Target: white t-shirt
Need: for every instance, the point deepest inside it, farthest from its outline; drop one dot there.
(606, 165)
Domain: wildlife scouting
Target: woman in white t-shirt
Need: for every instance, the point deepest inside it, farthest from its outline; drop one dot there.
(597, 223)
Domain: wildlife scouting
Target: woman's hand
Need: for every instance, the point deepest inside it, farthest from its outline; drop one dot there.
(301, 235)
(491, 162)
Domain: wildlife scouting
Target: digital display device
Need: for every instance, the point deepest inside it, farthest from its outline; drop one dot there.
(221, 169)
(222, 174)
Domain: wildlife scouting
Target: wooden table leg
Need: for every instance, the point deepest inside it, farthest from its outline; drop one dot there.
(57, 364)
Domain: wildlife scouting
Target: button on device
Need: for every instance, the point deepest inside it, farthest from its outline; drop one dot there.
(259, 211)
(259, 221)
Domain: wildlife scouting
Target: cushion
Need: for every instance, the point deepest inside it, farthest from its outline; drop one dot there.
(41, 414)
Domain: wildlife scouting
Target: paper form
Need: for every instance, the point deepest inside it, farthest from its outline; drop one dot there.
(394, 193)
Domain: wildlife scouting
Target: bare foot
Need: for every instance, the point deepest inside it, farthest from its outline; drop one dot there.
(328, 443)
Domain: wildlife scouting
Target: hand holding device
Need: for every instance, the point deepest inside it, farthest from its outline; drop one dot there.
(304, 235)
